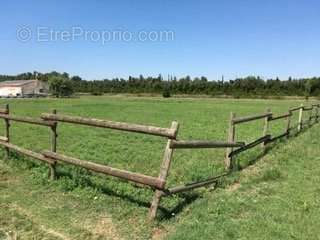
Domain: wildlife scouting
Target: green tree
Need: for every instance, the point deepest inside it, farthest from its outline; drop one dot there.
(60, 86)
(166, 90)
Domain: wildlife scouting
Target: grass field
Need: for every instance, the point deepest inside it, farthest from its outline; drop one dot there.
(276, 198)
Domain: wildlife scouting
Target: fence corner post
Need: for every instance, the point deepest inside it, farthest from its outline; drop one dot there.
(228, 161)
(52, 167)
(164, 171)
(265, 129)
(7, 123)
(300, 118)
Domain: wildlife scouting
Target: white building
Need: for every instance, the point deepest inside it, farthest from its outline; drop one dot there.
(23, 88)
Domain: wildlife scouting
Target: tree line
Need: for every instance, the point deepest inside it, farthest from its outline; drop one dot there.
(62, 84)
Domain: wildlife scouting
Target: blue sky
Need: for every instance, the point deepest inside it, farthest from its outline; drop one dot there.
(211, 38)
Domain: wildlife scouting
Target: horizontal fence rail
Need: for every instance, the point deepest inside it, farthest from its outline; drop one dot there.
(295, 109)
(164, 132)
(277, 137)
(27, 152)
(272, 118)
(204, 144)
(194, 185)
(27, 120)
(130, 176)
(4, 139)
(307, 108)
(250, 118)
(4, 111)
(251, 145)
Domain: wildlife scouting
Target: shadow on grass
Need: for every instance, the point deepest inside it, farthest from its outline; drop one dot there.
(183, 200)
(188, 198)
(83, 178)
(294, 133)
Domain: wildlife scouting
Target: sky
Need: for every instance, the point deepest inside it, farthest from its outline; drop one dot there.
(104, 39)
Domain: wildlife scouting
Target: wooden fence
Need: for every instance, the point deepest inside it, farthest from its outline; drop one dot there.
(157, 184)
(266, 137)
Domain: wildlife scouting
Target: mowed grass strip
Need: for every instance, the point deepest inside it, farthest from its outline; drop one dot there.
(111, 203)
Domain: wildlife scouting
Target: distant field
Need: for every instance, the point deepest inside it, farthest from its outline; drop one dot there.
(79, 202)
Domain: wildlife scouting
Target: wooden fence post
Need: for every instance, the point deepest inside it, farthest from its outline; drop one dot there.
(54, 136)
(265, 130)
(228, 162)
(7, 123)
(164, 171)
(300, 118)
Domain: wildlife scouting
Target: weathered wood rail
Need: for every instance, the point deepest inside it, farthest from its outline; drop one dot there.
(273, 139)
(250, 145)
(295, 109)
(158, 184)
(99, 168)
(286, 115)
(163, 132)
(204, 144)
(250, 118)
(191, 186)
(26, 152)
(27, 120)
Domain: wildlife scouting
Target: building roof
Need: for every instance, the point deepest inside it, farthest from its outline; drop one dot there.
(16, 83)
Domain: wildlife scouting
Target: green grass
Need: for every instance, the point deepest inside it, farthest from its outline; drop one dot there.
(276, 197)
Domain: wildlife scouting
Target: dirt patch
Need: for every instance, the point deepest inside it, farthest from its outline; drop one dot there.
(4, 175)
(6, 178)
(103, 227)
(43, 228)
(251, 171)
(233, 187)
(159, 233)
